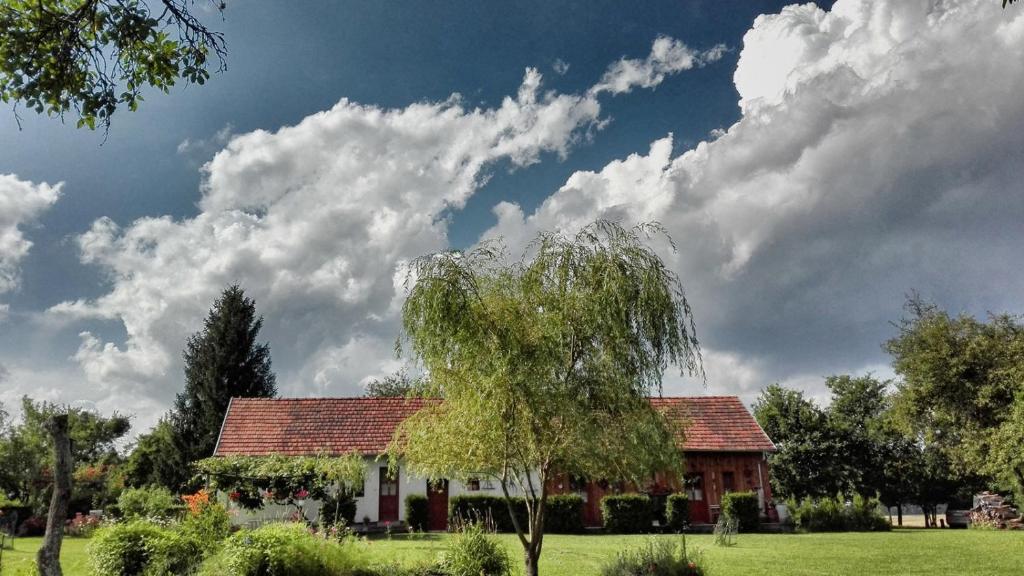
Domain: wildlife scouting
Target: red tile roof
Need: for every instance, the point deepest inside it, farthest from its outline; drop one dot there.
(306, 426)
(717, 424)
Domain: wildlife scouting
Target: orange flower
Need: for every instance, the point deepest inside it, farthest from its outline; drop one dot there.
(196, 502)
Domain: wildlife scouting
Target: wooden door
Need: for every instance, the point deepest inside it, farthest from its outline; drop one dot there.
(388, 499)
(437, 505)
(699, 511)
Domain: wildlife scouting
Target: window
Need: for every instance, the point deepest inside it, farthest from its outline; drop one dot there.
(728, 482)
(473, 485)
(695, 487)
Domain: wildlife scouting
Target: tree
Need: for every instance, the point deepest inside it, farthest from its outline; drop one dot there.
(222, 361)
(962, 383)
(48, 558)
(810, 460)
(545, 365)
(27, 451)
(92, 56)
(397, 385)
(156, 459)
(857, 416)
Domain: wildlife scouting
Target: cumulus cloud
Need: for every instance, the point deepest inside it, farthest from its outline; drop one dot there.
(21, 202)
(877, 152)
(668, 56)
(315, 221)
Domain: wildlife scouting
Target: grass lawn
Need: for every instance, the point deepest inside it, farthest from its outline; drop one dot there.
(910, 551)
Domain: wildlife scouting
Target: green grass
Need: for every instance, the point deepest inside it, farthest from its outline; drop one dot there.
(910, 552)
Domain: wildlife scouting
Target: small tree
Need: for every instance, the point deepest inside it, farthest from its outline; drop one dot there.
(546, 365)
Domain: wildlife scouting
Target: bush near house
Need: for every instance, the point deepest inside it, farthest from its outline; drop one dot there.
(627, 513)
(338, 509)
(677, 511)
(284, 549)
(656, 558)
(148, 502)
(564, 514)
(836, 515)
(488, 509)
(742, 507)
(416, 511)
(141, 547)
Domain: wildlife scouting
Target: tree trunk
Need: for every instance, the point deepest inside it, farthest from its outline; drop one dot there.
(899, 515)
(531, 562)
(48, 558)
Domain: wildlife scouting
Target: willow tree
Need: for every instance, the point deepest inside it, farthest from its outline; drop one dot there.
(545, 364)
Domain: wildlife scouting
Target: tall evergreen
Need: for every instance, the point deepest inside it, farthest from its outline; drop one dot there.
(222, 361)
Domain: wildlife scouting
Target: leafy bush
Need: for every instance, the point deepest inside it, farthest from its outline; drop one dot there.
(658, 557)
(148, 502)
(474, 552)
(487, 509)
(416, 511)
(743, 507)
(33, 526)
(564, 514)
(835, 515)
(338, 509)
(283, 549)
(627, 513)
(677, 511)
(141, 547)
(208, 525)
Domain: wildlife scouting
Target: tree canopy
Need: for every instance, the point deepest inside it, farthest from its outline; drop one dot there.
(224, 360)
(546, 364)
(92, 56)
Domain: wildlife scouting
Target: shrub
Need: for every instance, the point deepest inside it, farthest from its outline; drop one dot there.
(474, 552)
(33, 526)
(416, 512)
(627, 513)
(487, 509)
(283, 549)
(208, 525)
(742, 507)
(564, 514)
(140, 547)
(148, 502)
(338, 509)
(677, 511)
(82, 525)
(658, 557)
(834, 515)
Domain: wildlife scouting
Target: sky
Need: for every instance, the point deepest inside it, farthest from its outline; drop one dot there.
(813, 164)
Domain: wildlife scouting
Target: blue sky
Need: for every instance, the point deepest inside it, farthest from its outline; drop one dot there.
(814, 176)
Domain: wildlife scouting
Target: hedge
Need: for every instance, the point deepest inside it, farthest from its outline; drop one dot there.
(677, 511)
(485, 507)
(564, 514)
(835, 515)
(744, 508)
(416, 511)
(627, 513)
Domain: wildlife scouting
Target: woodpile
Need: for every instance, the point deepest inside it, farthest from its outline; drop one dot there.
(992, 510)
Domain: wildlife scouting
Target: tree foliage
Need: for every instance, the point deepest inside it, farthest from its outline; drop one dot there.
(26, 453)
(92, 56)
(961, 390)
(546, 364)
(397, 385)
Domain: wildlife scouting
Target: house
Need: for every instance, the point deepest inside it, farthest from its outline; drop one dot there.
(724, 448)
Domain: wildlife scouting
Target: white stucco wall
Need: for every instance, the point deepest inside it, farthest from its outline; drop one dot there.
(367, 505)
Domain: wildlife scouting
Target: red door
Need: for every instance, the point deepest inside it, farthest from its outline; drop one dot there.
(388, 500)
(592, 507)
(699, 512)
(437, 505)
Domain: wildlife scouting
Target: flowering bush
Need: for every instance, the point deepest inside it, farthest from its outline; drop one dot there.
(82, 525)
(196, 502)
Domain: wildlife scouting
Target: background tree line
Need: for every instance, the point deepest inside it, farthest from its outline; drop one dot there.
(951, 425)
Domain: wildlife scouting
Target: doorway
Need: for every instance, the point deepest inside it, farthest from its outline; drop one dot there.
(388, 511)
(437, 505)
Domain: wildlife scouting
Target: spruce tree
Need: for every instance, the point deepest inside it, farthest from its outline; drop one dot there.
(223, 360)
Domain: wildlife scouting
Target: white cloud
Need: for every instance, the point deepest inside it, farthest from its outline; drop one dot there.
(560, 66)
(315, 222)
(668, 56)
(877, 152)
(21, 202)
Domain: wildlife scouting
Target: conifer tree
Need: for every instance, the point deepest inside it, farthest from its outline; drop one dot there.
(222, 361)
